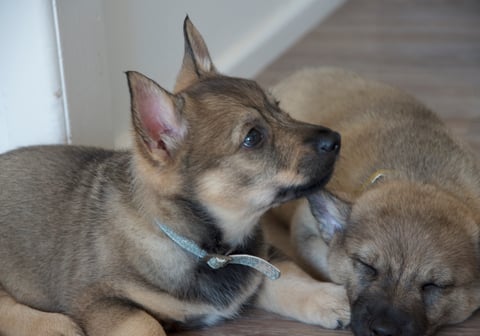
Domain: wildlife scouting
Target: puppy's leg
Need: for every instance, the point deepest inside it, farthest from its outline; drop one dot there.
(118, 319)
(19, 320)
(295, 294)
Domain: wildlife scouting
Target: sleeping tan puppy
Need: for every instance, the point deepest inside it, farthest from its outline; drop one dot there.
(399, 222)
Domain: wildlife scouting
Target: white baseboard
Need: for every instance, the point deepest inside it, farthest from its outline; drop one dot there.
(31, 110)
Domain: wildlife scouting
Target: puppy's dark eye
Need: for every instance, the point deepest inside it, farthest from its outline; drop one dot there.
(253, 139)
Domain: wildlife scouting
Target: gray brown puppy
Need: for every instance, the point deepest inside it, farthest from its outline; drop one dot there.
(81, 250)
(399, 224)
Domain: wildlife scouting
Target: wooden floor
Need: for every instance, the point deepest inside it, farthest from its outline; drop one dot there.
(430, 48)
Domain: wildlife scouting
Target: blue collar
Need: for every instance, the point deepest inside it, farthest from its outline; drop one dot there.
(217, 261)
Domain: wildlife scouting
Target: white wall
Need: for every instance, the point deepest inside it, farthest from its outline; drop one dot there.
(100, 39)
(31, 104)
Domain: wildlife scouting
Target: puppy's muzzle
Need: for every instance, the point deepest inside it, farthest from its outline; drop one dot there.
(378, 316)
(328, 142)
(317, 165)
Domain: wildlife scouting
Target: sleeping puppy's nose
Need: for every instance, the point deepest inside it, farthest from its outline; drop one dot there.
(328, 141)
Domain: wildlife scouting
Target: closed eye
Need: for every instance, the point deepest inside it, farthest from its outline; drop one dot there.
(366, 268)
(429, 286)
(431, 291)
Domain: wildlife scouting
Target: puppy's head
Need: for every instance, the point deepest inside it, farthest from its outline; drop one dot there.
(224, 142)
(408, 255)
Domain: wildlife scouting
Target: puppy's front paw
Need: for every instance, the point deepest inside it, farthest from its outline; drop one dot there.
(20, 320)
(325, 304)
(53, 324)
(297, 295)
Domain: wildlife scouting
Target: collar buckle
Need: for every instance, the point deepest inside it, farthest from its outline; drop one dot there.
(217, 261)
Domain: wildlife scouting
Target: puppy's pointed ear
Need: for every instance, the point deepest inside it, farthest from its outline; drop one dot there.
(158, 124)
(196, 60)
(331, 213)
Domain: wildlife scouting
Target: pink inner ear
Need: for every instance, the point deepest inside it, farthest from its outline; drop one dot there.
(158, 116)
(151, 111)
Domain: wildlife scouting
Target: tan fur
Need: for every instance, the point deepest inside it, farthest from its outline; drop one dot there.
(20, 320)
(79, 248)
(399, 225)
(292, 296)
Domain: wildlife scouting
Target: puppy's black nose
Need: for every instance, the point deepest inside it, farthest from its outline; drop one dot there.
(384, 328)
(328, 142)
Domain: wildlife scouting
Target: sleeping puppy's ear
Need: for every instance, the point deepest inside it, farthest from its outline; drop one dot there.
(330, 212)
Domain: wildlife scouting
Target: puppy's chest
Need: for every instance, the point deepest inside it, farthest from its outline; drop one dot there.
(184, 276)
(223, 286)
(194, 295)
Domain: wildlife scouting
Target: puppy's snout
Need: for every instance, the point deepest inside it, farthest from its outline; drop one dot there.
(374, 315)
(328, 142)
(384, 328)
